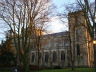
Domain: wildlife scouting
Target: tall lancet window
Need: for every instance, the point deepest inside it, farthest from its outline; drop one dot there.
(78, 49)
(33, 58)
(46, 57)
(62, 56)
(54, 57)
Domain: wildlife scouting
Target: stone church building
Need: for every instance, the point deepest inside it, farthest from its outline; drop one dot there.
(64, 48)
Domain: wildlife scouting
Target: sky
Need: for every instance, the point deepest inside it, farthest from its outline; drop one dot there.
(62, 2)
(56, 25)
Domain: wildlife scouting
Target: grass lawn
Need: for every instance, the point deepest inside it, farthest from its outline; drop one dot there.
(59, 70)
(67, 70)
(5, 70)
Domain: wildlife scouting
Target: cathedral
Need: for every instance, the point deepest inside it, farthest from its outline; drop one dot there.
(64, 48)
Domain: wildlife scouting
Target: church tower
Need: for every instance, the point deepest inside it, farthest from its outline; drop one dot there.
(81, 43)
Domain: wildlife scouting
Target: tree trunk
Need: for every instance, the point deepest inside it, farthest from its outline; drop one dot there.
(26, 63)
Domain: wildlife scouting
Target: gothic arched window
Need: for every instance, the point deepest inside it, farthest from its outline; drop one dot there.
(33, 57)
(62, 56)
(54, 56)
(78, 49)
(46, 57)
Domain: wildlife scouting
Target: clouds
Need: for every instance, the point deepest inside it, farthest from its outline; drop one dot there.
(56, 25)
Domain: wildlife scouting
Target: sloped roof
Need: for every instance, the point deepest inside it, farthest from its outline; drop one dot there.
(65, 33)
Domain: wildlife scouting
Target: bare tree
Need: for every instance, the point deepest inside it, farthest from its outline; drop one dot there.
(24, 17)
(89, 13)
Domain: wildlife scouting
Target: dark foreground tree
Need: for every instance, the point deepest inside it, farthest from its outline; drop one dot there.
(24, 17)
(7, 59)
